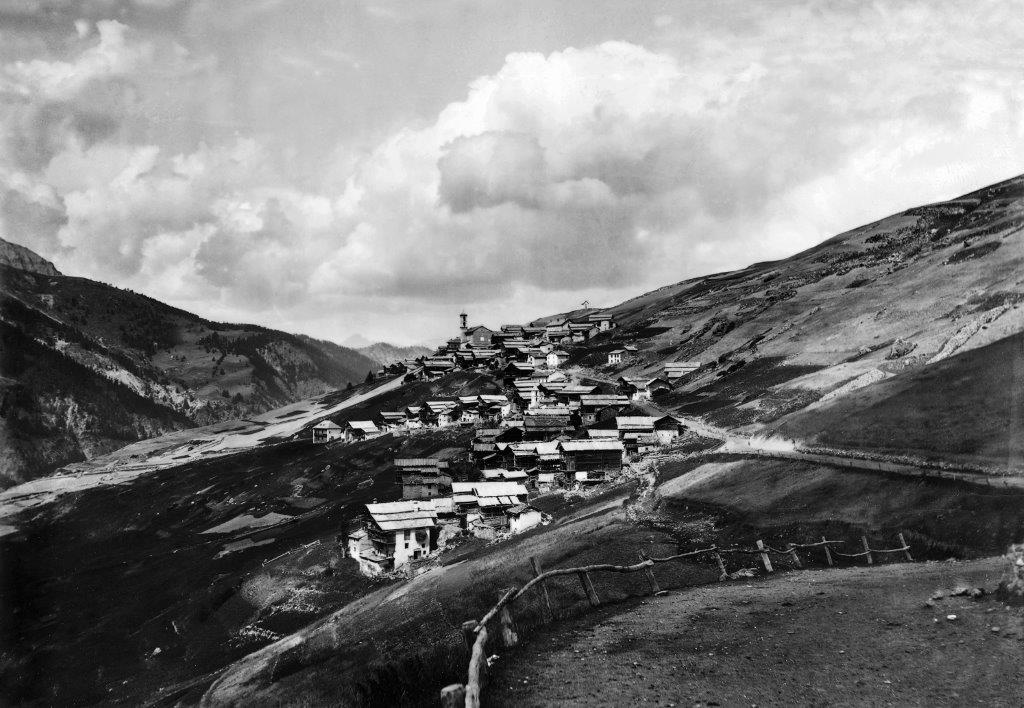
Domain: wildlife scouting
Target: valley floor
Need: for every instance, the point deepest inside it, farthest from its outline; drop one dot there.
(853, 636)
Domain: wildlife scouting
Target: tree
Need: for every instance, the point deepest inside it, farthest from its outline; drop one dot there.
(349, 386)
(369, 377)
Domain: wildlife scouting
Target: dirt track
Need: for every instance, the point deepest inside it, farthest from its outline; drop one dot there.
(859, 636)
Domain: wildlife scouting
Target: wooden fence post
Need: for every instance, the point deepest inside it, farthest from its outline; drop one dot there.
(906, 546)
(588, 587)
(651, 580)
(794, 556)
(867, 549)
(509, 638)
(723, 573)
(828, 553)
(453, 696)
(764, 556)
(544, 588)
(469, 633)
(477, 670)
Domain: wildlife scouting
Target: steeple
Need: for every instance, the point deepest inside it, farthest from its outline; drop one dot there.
(463, 319)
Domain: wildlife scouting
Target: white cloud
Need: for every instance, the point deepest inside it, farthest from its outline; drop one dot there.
(586, 172)
(61, 80)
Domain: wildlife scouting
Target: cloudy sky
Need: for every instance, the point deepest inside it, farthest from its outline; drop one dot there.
(336, 167)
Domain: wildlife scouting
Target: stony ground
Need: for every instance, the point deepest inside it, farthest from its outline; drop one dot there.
(855, 636)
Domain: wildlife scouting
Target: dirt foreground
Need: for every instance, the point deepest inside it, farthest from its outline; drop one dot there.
(855, 636)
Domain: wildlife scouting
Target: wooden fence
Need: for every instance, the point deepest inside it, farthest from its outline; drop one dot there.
(476, 632)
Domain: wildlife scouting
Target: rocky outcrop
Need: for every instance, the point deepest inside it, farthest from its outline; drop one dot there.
(16, 256)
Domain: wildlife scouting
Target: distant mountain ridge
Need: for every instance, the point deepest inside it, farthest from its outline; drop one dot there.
(384, 353)
(87, 368)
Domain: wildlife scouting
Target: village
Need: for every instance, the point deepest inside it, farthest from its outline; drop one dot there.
(550, 430)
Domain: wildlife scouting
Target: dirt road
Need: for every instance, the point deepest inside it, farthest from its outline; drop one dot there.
(852, 459)
(859, 636)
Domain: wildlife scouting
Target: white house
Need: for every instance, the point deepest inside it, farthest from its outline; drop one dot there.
(327, 430)
(556, 358)
(615, 356)
(398, 532)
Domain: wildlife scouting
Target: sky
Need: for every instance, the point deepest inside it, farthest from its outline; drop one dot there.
(340, 167)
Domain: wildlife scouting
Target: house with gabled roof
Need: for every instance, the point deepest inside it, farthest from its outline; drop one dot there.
(556, 357)
(441, 413)
(430, 476)
(641, 388)
(413, 416)
(485, 502)
(478, 336)
(398, 532)
(668, 428)
(603, 320)
(327, 430)
(592, 460)
(595, 407)
(390, 420)
(356, 430)
(571, 394)
(437, 366)
(582, 332)
(615, 356)
(677, 369)
(547, 422)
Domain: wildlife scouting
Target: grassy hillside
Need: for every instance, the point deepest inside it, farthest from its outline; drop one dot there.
(173, 369)
(967, 407)
(920, 309)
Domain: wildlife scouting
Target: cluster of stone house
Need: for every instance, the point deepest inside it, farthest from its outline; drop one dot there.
(543, 444)
(513, 347)
(547, 431)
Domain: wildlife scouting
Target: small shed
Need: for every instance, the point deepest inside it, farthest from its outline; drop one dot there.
(523, 517)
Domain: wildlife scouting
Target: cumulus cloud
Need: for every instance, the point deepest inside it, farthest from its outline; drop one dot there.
(491, 168)
(62, 80)
(580, 173)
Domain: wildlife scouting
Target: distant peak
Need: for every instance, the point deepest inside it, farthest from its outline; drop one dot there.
(17, 256)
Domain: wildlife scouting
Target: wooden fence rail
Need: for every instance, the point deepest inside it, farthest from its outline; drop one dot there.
(477, 634)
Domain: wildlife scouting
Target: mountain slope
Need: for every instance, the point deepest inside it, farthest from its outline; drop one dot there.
(889, 299)
(88, 368)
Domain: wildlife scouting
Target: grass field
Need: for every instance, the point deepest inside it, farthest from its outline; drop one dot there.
(969, 407)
